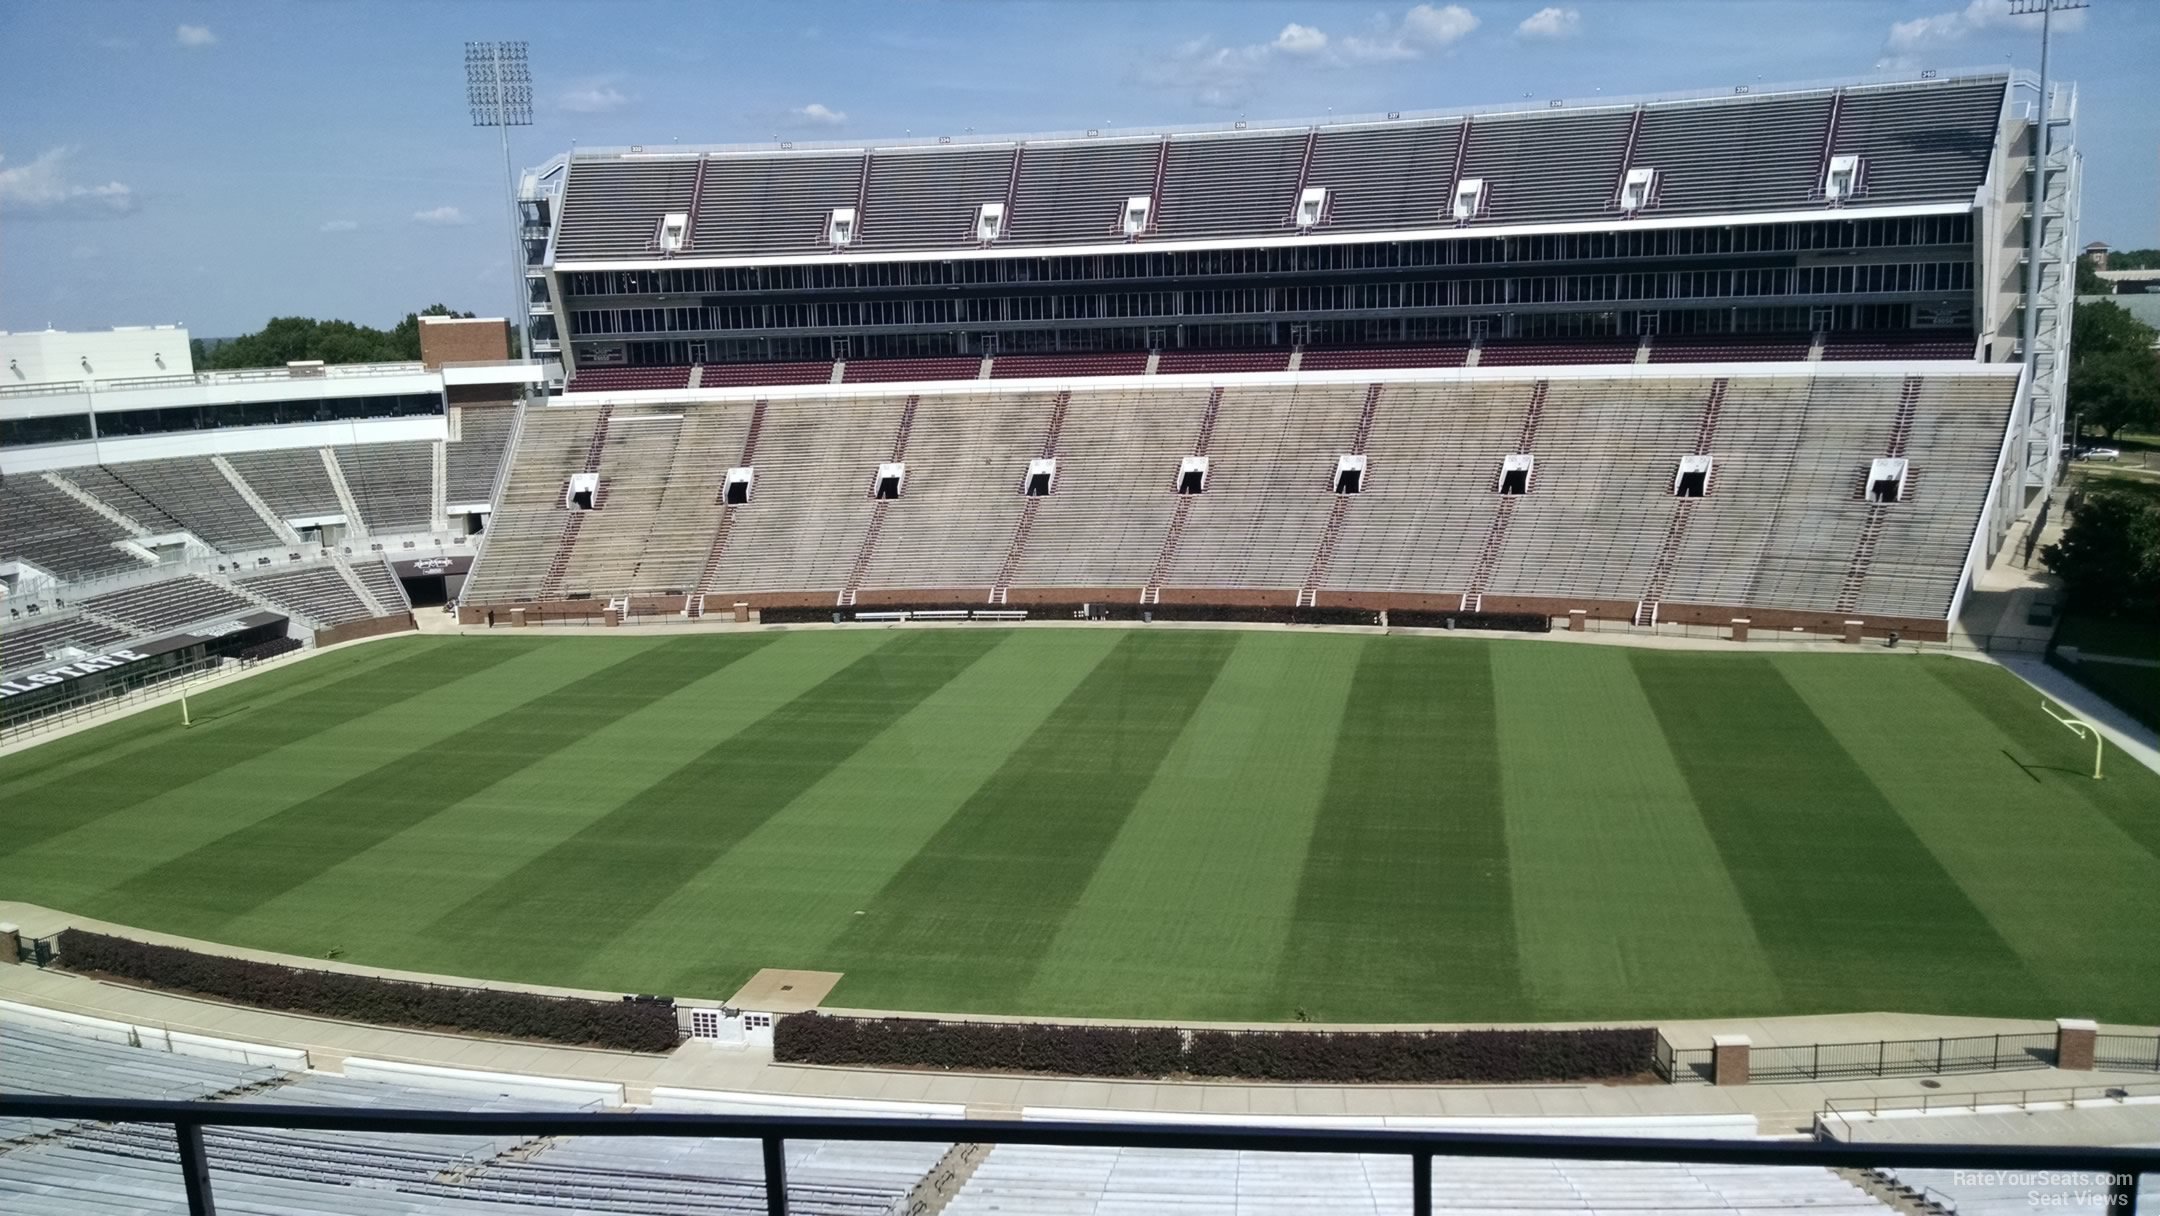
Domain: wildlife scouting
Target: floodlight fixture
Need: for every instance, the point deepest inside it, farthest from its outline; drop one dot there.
(499, 93)
(498, 84)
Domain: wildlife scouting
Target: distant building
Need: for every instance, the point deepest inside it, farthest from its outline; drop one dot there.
(2097, 254)
(2131, 282)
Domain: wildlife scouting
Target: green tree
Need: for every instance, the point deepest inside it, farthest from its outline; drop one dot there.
(2114, 378)
(2109, 556)
(2104, 327)
(2116, 391)
(290, 339)
(2089, 282)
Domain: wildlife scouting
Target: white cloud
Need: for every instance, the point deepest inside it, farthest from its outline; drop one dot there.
(345, 225)
(1551, 22)
(1224, 76)
(1422, 30)
(1976, 17)
(440, 217)
(195, 36)
(1298, 39)
(43, 187)
(593, 99)
(1433, 28)
(817, 114)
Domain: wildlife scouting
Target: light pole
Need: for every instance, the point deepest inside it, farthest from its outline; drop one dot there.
(498, 89)
(2037, 219)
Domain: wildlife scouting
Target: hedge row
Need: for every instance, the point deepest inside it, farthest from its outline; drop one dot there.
(1497, 1056)
(624, 1025)
(1290, 1055)
(1090, 1051)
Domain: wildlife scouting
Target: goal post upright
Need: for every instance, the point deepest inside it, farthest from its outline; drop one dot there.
(2082, 729)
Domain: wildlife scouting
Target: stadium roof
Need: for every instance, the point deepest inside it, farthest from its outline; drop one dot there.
(1920, 145)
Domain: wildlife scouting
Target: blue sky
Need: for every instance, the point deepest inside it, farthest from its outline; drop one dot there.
(220, 163)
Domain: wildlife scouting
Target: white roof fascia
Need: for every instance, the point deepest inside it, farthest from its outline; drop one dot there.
(1790, 369)
(494, 373)
(1309, 237)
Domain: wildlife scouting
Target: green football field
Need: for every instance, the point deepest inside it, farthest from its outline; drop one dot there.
(1116, 822)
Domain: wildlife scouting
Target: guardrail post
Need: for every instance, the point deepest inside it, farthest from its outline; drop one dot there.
(195, 1169)
(1421, 1184)
(775, 1176)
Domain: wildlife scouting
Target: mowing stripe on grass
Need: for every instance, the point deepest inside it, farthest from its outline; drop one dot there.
(965, 922)
(1404, 909)
(1619, 891)
(2055, 757)
(410, 880)
(78, 869)
(1941, 762)
(1195, 897)
(1854, 911)
(274, 855)
(64, 755)
(584, 891)
(219, 744)
(853, 830)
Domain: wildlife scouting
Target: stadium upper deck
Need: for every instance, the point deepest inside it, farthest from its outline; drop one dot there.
(1922, 145)
(1856, 210)
(1876, 219)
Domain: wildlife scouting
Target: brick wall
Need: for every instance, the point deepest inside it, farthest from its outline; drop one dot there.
(456, 340)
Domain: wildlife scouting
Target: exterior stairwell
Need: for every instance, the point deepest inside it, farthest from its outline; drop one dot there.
(878, 511)
(1473, 600)
(1018, 547)
(1308, 595)
(1863, 558)
(1646, 608)
(559, 565)
(1152, 592)
(694, 605)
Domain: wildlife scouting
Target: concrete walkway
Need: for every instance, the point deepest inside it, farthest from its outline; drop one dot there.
(1779, 1109)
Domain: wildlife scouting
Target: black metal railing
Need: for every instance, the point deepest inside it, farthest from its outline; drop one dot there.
(2121, 1166)
(1903, 1057)
(2127, 1051)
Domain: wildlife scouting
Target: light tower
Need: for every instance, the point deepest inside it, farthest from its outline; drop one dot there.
(2036, 223)
(498, 89)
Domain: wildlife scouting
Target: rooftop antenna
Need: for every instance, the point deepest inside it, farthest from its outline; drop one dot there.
(498, 90)
(2036, 218)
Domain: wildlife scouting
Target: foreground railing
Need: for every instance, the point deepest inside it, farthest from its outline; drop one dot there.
(2059, 1096)
(2121, 1166)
